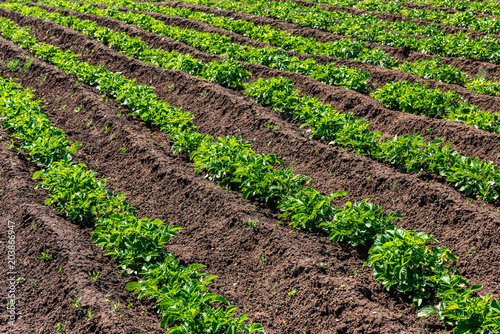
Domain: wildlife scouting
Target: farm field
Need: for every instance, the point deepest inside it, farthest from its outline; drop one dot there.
(200, 166)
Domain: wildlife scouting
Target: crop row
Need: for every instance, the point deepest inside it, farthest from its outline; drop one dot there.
(409, 152)
(425, 273)
(459, 19)
(470, 176)
(429, 69)
(370, 28)
(137, 244)
(343, 48)
(486, 7)
(456, 112)
(222, 45)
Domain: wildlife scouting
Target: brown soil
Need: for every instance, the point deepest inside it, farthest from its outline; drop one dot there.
(341, 298)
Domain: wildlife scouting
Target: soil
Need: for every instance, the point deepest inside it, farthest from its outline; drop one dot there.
(339, 297)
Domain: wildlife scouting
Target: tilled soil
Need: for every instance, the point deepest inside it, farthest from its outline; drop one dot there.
(256, 267)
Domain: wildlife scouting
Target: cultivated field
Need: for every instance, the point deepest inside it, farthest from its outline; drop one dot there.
(201, 166)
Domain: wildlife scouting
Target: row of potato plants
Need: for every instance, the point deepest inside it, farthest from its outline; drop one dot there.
(457, 111)
(399, 257)
(486, 7)
(462, 172)
(138, 244)
(343, 48)
(411, 152)
(226, 73)
(221, 45)
(467, 20)
(370, 28)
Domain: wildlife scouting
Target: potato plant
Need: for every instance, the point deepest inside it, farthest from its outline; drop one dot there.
(418, 99)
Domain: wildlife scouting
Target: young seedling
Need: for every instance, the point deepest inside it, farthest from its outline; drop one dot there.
(60, 328)
(251, 224)
(14, 65)
(20, 280)
(77, 302)
(291, 294)
(262, 258)
(89, 315)
(42, 77)
(271, 127)
(46, 256)
(471, 252)
(61, 270)
(95, 275)
(114, 307)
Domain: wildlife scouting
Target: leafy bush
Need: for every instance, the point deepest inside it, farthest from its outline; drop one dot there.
(434, 70)
(228, 74)
(418, 99)
(401, 259)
